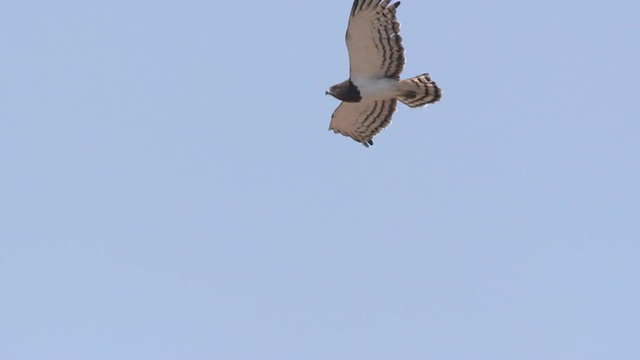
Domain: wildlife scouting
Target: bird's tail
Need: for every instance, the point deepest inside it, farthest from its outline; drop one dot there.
(419, 91)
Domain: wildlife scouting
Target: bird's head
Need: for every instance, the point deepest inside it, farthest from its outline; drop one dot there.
(333, 91)
(344, 91)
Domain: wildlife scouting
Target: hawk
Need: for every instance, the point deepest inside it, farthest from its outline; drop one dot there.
(376, 58)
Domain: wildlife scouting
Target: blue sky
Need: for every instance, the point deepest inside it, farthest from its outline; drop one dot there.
(169, 188)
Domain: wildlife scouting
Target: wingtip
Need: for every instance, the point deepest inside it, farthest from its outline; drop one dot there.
(354, 7)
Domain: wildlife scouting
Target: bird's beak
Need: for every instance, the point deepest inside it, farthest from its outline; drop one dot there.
(326, 93)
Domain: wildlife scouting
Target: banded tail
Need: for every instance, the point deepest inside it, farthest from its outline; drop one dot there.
(419, 91)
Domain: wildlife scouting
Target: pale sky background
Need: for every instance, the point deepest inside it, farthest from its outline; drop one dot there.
(169, 188)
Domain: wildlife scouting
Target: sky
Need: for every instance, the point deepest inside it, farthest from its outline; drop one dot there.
(169, 188)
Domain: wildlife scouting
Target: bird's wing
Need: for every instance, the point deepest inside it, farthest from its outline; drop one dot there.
(373, 40)
(363, 120)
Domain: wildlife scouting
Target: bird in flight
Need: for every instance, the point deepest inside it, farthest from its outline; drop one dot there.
(376, 58)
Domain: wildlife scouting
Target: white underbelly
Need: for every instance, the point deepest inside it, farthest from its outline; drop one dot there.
(377, 89)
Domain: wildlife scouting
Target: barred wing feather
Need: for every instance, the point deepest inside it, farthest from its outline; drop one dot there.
(363, 120)
(373, 40)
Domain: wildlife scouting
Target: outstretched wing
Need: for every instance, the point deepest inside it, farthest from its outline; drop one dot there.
(373, 40)
(362, 120)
